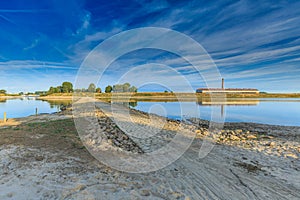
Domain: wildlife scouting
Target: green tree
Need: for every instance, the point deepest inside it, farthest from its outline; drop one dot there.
(126, 87)
(51, 90)
(2, 91)
(118, 88)
(58, 89)
(132, 89)
(40, 92)
(98, 90)
(108, 89)
(77, 90)
(92, 88)
(54, 90)
(67, 87)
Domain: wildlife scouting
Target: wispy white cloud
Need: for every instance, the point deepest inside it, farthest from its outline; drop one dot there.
(7, 19)
(30, 75)
(257, 56)
(85, 24)
(32, 64)
(33, 44)
(263, 72)
(23, 10)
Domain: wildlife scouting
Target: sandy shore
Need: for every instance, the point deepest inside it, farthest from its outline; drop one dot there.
(10, 97)
(70, 97)
(249, 161)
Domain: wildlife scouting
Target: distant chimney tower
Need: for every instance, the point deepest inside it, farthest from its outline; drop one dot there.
(222, 83)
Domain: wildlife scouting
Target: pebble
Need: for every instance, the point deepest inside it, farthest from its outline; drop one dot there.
(205, 133)
(272, 144)
(176, 195)
(10, 195)
(238, 130)
(291, 155)
(133, 194)
(39, 158)
(79, 188)
(145, 193)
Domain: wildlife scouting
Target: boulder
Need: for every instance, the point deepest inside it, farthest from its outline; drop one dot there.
(291, 155)
(251, 137)
(235, 138)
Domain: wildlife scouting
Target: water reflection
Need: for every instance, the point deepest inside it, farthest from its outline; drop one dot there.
(58, 104)
(266, 111)
(131, 104)
(25, 106)
(229, 102)
(270, 111)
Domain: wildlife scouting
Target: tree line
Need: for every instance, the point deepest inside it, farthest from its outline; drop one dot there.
(126, 87)
(67, 87)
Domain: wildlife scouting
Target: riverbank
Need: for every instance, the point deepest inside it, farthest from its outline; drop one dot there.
(156, 96)
(43, 157)
(56, 97)
(3, 97)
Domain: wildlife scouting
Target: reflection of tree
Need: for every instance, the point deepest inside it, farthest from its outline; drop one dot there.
(2, 100)
(127, 104)
(58, 104)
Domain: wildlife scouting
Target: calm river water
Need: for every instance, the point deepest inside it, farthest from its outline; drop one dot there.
(267, 111)
(22, 107)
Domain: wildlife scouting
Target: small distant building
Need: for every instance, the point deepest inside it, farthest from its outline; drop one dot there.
(227, 90)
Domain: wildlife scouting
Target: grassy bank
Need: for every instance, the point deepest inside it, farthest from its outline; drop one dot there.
(57, 96)
(58, 134)
(162, 95)
(168, 96)
(7, 96)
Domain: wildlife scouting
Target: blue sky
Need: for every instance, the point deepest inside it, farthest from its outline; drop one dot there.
(253, 44)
